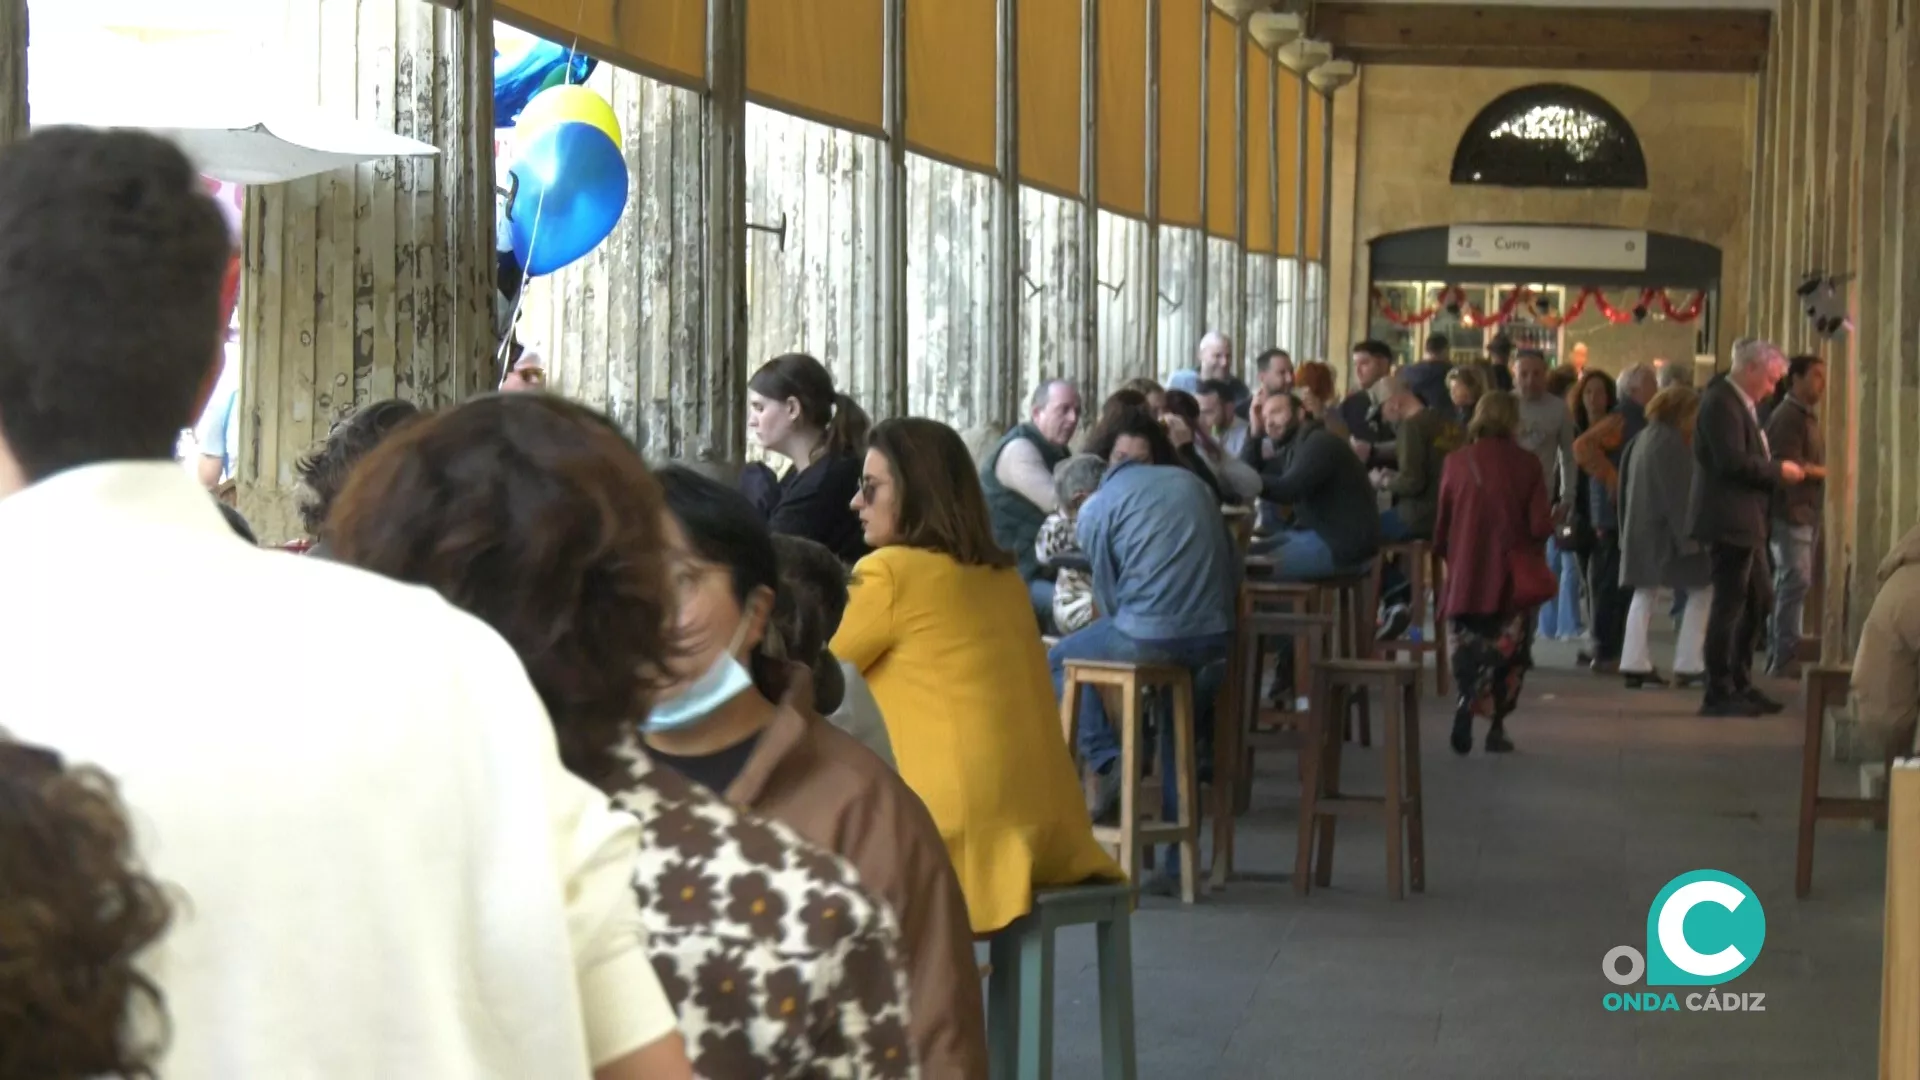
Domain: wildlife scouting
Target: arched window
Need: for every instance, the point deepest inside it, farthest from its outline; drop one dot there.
(1550, 135)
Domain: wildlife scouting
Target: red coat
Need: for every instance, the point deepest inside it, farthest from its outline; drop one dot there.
(1493, 501)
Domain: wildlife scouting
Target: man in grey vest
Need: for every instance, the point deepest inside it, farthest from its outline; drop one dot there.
(1017, 477)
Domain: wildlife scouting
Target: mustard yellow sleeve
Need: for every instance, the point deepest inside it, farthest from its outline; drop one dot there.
(866, 630)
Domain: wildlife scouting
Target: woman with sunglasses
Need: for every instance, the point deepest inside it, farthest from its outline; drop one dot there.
(941, 625)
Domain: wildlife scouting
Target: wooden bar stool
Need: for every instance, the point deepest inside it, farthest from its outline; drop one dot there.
(1258, 727)
(1823, 685)
(1335, 684)
(1020, 984)
(1423, 570)
(1136, 830)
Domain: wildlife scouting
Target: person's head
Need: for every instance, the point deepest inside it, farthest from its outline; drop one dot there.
(792, 408)
(1530, 373)
(323, 473)
(1214, 357)
(1396, 401)
(1150, 392)
(1560, 382)
(76, 910)
(535, 515)
(1076, 478)
(1216, 405)
(1500, 350)
(1055, 410)
(1438, 347)
(1667, 373)
(919, 488)
(1757, 366)
(1183, 405)
(1465, 385)
(1280, 415)
(526, 371)
(1276, 371)
(1313, 382)
(727, 579)
(112, 256)
(1496, 416)
(1638, 385)
(1593, 398)
(1676, 406)
(1578, 357)
(807, 610)
(1131, 433)
(1807, 379)
(1371, 360)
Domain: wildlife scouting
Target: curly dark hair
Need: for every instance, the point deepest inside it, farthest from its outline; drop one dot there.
(808, 608)
(325, 471)
(537, 516)
(75, 909)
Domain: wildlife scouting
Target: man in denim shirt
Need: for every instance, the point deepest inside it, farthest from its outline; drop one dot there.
(1164, 576)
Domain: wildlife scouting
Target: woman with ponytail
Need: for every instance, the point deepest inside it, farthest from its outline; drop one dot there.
(794, 411)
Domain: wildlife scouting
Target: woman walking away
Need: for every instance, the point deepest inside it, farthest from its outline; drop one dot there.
(1655, 551)
(794, 411)
(1491, 529)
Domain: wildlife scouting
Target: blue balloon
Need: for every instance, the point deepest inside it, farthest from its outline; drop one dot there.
(571, 187)
(541, 66)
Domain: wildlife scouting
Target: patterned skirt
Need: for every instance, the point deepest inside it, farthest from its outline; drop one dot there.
(1491, 656)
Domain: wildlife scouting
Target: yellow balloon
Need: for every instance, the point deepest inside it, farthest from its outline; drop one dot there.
(565, 104)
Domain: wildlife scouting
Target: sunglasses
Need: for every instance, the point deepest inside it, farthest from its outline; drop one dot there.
(868, 485)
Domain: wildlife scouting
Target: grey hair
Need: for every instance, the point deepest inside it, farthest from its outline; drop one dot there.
(1749, 353)
(1077, 476)
(1675, 373)
(1637, 376)
(1044, 391)
(1213, 337)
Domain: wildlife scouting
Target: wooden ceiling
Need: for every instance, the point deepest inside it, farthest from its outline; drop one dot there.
(1573, 38)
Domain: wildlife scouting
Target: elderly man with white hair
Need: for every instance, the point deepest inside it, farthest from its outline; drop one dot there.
(1598, 452)
(1213, 361)
(1733, 488)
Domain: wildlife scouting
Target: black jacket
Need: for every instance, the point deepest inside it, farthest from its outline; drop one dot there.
(816, 503)
(1735, 480)
(1318, 474)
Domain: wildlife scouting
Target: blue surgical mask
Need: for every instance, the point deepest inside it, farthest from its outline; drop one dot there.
(725, 679)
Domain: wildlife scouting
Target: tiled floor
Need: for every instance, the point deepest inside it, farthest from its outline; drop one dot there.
(1538, 863)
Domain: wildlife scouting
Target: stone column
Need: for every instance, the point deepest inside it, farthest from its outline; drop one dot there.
(13, 70)
(375, 281)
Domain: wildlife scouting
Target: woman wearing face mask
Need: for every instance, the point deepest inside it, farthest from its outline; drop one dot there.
(536, 516)
(794, 411)
(739, 719)
(941, 625)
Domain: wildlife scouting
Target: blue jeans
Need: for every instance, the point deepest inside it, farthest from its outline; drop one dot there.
(1560, 617)
(1040, 591)
(1792, 575)
(1098, 744)
(1298, 554)
(1393, 580)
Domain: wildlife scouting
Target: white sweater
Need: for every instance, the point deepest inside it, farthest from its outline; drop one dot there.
(381, 868)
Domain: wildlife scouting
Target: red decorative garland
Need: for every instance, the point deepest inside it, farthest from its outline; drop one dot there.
(1455, 297)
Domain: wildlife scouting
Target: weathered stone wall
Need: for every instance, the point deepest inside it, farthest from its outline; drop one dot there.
(1396, 129)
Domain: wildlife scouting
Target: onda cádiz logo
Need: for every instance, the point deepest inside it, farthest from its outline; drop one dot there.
(1704, 929)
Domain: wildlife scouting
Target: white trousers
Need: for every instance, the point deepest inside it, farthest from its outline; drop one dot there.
(1689, 653)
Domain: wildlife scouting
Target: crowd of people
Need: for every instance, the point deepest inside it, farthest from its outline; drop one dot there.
(541, 761)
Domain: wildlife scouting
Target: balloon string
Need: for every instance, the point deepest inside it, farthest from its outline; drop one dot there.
(533, 237)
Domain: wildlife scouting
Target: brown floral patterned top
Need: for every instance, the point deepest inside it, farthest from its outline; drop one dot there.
(777, 961)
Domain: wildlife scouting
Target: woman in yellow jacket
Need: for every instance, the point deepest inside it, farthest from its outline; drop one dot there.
(940, 625)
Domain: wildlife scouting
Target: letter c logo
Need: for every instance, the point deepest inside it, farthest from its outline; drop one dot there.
(1673, 934)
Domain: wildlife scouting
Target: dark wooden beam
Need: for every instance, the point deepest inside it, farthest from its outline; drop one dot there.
(1468, 35)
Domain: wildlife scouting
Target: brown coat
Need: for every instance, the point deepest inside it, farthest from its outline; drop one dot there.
(820, 782)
